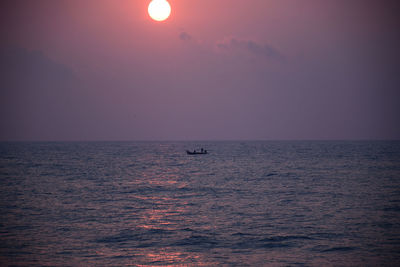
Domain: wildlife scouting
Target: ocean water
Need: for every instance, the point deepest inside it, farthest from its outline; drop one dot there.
(244, 204)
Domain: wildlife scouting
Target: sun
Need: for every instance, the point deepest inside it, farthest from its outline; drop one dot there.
(159, 10)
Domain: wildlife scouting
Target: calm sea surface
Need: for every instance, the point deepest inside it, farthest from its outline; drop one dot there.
(243, 204)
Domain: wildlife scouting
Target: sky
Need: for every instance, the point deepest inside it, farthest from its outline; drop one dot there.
(90, 70)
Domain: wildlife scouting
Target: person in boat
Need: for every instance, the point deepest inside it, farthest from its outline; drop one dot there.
(202, 151)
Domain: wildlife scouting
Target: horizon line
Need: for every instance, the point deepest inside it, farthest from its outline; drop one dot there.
(199, 140)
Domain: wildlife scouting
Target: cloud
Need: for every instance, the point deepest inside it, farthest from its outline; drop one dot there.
(184, 36)
(250, 46)
(39, 98)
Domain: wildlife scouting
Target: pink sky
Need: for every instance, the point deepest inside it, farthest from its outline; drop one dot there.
(216, 69)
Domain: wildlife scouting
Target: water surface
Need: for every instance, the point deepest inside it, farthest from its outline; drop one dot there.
(243, 204)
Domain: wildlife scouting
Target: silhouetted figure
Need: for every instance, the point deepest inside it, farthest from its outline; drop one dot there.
(202, 151)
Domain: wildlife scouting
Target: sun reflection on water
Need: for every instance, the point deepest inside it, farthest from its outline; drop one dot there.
(171, 258)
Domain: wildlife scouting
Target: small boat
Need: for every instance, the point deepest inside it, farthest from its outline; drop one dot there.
(203, 152)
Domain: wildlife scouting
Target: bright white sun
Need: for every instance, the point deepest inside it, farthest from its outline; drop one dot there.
(159, 10)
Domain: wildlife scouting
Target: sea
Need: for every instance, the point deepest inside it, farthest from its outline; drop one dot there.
(245, 203)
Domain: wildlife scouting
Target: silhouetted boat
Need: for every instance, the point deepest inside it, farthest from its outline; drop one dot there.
(196, 153)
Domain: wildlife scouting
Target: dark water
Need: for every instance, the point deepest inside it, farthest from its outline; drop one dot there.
(244, 204)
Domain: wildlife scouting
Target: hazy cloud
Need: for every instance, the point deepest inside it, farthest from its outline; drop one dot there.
(250, 46)
(184, 36)
(39, 98)
(32, 67)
